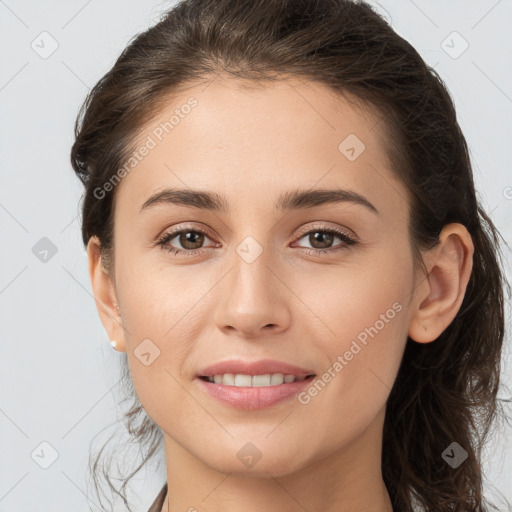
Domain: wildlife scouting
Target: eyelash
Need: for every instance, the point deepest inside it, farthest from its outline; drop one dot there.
(347, 240)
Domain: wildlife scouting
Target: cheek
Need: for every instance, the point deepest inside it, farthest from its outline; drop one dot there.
(162, 323)
(162, 302)
(166, 309)
(362, 316)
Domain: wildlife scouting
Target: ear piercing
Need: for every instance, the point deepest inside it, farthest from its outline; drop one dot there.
(113, 342)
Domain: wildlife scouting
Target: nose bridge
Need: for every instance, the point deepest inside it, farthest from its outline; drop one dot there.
(251, 298)
(250, 282)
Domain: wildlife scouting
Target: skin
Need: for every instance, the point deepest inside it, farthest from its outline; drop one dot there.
(250, 144)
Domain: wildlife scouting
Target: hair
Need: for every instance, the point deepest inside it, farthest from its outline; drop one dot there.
(445, 390)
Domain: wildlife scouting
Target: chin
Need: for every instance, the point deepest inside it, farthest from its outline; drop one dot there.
(249, 461)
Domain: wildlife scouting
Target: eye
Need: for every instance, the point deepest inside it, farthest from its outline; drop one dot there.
(323, 237)
(191, 240)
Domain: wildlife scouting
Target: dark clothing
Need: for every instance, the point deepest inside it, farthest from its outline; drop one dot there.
(159, 502)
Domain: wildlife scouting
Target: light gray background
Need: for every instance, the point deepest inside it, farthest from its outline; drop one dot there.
(58, 372)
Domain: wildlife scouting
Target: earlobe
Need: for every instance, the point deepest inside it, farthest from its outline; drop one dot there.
(105, 296)
(440, 294)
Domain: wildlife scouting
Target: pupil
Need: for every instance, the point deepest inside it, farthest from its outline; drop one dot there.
(189, 238)
(329, 237)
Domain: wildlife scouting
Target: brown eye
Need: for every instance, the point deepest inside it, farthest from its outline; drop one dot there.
(191, 239)
(321, 239)
(184, 240)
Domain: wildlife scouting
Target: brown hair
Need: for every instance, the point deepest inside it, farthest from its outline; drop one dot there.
(446, 390)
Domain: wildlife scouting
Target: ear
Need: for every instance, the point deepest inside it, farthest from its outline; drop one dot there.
(438, 297)
(105, 295)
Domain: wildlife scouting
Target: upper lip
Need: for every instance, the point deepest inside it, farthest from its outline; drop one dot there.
(260, 367)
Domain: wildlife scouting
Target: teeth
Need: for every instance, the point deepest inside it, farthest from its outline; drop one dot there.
(241, 380)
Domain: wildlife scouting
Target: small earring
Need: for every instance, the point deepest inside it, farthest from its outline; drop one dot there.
(113, 343)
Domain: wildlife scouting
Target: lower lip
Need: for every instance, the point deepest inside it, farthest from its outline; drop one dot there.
(251, 398)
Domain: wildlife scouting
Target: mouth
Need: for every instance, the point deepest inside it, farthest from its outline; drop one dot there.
(253, 381)
(253, 392)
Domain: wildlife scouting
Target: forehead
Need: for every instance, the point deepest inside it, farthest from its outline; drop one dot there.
(251, 142)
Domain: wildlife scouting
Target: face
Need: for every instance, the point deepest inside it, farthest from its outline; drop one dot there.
(321, 282)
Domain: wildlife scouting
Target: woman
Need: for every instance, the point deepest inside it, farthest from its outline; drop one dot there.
(284, 237)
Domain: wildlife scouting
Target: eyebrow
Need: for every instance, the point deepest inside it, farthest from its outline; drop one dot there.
(292, 200)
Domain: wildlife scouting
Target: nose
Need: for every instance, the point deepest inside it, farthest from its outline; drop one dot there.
(253, 300)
